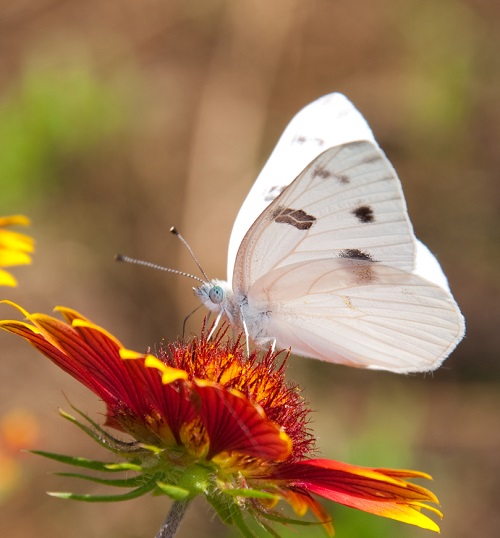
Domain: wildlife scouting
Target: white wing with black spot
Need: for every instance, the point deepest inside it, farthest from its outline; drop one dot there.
(328, 263)
(357, 313)
(331, 269)
(347, 203)
(329, 121)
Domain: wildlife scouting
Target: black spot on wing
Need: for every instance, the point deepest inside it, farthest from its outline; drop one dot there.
(364, 213)
(273, 192)
(324, 173)
(295, 217)
(364, 274)
(356, 254)
(301, 139)
(372, 158)
(362, 266)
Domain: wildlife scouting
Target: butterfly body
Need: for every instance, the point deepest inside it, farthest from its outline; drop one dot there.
(331, 266)
(242, 316)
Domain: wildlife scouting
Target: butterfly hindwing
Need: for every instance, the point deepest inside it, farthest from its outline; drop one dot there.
(358, 313)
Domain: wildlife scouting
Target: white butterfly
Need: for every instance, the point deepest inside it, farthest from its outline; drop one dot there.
(323, 258)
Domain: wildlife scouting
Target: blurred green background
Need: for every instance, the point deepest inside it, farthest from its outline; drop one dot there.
(119, 119)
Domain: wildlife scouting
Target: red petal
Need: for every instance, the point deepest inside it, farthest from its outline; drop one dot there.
(363, 488)
(233, 423)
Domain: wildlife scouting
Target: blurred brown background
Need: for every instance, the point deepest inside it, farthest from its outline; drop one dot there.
(119, 119)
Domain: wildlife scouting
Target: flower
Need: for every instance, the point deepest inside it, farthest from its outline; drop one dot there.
(15, 248)
(18, 427)
(207, 420)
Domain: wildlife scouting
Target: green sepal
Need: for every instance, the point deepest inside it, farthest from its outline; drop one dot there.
(123, 483)
(77, 461)
(197, 479)
(124, 466)
(151, 448)
(269, 529)
(223, 508)
(230, 514)
(97, 434)
(286, 520)
(252, 493)
(100, 435)
(174, 492)
(239, 521)
(146, 488)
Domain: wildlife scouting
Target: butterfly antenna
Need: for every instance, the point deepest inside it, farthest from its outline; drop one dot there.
(186, 244)
(127, 259)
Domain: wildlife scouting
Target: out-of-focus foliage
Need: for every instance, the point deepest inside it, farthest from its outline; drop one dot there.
(48, 116)
(443, 44)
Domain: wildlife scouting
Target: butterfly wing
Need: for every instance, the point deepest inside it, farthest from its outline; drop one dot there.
(329, 121)
(347, 203)
(330, 268)
(358, 313)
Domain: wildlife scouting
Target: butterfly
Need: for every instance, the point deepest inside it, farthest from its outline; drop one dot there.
(323, 259)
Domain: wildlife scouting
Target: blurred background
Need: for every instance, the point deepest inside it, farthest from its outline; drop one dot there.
(119, 119)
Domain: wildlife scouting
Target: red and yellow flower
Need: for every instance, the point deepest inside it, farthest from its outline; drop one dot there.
(207, 420)
(15, 248)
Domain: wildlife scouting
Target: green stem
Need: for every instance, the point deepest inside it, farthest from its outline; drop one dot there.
(173, 520)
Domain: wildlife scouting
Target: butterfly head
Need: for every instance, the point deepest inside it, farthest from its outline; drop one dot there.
(214, 294)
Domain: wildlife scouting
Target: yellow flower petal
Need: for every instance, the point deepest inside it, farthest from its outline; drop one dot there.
(169, 374)
(19, 220)
(6, 279)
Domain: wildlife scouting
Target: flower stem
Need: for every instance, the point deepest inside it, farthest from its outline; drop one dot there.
(173, 520)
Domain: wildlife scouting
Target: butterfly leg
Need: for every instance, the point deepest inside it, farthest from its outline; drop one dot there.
(246, 336)
(245, 329)
(265, 341)
(216, 323)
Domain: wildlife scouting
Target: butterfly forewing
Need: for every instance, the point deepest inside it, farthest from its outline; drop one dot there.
(347, 204)
(327, 122)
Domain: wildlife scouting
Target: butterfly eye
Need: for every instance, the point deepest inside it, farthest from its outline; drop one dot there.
(216, 294)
